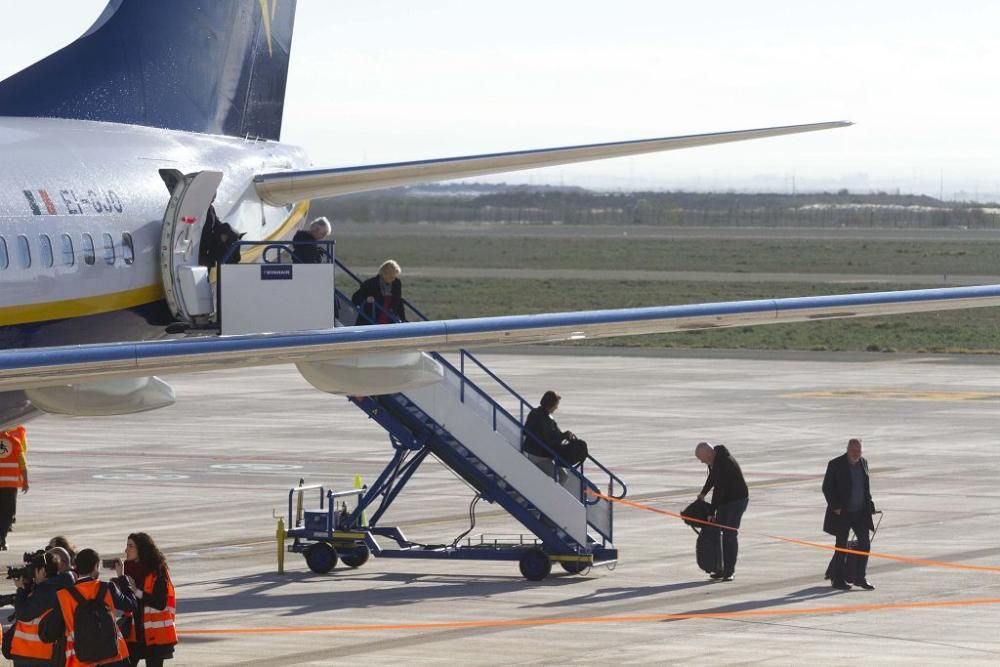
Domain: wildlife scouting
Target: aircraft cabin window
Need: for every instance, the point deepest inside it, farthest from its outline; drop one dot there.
(109, 249)
(88, 250)
(4, 262)
(46, 251)
(128, 250)
(69, 259)
(24, 251)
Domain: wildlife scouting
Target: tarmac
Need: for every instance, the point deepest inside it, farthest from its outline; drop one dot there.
(207, 476)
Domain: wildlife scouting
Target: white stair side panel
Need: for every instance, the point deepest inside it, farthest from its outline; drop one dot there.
(441, 402)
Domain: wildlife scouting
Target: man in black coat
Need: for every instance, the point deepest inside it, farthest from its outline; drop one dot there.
(541, 428)
(216, 239)
(305, 249)
(849, 506)
(729, 499)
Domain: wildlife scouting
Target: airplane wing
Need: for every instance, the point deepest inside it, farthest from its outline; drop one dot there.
(290, 187)
(40, 367)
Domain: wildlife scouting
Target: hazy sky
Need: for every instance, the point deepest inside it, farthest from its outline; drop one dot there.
(387, 80)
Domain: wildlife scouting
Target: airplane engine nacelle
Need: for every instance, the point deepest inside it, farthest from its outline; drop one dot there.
(372, 374)
(105, 398)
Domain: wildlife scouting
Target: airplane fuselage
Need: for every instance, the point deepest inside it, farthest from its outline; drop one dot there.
(81, 210)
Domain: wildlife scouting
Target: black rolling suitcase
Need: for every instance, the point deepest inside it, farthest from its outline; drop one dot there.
(708, 547)
(851, 561)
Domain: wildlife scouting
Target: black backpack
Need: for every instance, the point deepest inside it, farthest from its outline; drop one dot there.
(224, 236)
(700, 510)
(216, 239)
(95, 635)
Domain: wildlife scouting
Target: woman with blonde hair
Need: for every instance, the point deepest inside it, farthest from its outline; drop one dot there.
(380, 298)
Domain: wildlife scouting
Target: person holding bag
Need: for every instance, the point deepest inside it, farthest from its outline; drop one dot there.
(849, 506)
(543, 440)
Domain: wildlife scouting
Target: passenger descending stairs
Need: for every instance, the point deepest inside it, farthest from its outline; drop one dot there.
(471, 432)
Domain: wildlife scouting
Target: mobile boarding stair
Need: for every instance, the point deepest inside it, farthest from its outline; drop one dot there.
(471, 432)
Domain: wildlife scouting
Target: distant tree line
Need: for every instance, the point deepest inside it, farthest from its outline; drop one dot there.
(548, 205)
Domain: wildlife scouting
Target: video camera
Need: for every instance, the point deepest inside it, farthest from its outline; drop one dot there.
(25, 571)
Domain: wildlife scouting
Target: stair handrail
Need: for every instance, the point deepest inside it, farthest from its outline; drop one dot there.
(326, 249)
(613, 478)
(360, 310)
(358, 280)
(300, 488)
(587, 499)
(497, 408)
(523, 403)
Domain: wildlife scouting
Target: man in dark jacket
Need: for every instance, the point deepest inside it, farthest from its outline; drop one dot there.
(305, 249)
(729, 499)
(120, 595)
(216, 239)
(36, 595)
(849, 506)
(540, 428)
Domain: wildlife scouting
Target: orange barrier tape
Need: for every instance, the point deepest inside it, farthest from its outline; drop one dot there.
(448, 625)
(816, 545)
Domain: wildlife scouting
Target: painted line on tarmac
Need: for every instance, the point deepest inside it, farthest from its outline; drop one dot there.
(645, 618)
(805, 543)
(899, 395)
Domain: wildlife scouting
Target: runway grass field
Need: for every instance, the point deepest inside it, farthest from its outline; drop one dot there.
(721, 254)
(444, 298)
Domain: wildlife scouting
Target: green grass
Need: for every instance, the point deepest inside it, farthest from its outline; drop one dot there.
(973, 330)
(783, 255)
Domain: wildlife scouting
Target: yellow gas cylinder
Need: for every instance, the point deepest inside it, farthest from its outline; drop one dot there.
(280, 536)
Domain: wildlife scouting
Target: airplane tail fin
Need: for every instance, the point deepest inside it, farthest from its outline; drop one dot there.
(214, 67)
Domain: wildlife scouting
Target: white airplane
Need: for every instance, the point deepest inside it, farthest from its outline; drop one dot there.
(96, 140)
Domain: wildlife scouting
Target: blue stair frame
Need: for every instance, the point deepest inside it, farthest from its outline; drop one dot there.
(469, 430)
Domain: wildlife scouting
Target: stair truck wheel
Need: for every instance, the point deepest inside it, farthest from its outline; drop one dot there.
(356, 558)
(574, 566)
(535, 565)
(321, 558)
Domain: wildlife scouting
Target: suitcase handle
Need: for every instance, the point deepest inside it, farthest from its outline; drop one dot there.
(877, 524)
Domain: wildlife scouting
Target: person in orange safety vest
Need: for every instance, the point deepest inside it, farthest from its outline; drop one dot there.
(117, 595)
(152, 635)
(31, 606)
(13, 476)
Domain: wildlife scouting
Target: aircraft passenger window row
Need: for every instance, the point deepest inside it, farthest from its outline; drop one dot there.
(46, 257)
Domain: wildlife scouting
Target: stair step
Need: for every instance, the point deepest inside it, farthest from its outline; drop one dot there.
(479, 473)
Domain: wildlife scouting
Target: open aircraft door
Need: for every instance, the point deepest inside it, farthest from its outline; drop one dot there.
(185, 282)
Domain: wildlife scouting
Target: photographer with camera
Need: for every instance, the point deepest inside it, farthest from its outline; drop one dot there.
(151, 635)
(37, 585)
